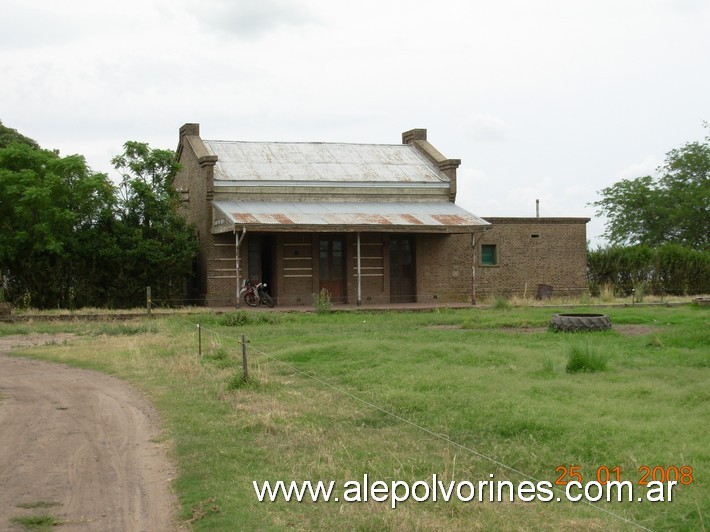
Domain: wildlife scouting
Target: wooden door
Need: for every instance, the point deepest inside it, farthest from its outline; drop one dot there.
(332, 267)
(403, 280)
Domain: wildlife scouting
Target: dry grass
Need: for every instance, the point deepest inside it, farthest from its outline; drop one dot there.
(606, 297)
(453, 372)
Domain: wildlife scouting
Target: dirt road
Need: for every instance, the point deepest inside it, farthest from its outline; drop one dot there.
(77, 445)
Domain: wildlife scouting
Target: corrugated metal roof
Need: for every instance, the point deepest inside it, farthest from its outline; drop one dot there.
(321, 162)
(371, 216)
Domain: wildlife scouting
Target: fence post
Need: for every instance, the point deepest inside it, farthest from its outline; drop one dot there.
(148, 299)
(245, 371)
(199, 340)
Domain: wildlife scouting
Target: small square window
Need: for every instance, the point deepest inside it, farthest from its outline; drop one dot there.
(489, 255)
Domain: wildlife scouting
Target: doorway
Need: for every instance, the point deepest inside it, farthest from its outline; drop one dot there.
(403, 280)
(261, 261)
(331, 262)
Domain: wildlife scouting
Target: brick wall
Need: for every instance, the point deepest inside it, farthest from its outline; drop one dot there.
(444, 272)
(220, 263)
(296, 269)
(195, 182)
(533, 251)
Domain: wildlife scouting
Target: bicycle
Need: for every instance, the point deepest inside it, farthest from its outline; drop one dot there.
(256, 294)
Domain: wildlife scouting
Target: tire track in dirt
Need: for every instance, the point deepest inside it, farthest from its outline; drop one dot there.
(82, 440)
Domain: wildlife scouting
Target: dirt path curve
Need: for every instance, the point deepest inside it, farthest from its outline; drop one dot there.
(80, 442)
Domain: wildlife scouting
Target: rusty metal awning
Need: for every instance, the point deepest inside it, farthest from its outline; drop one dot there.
(432, 217)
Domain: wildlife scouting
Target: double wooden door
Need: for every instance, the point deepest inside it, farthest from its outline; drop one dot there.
(331, 262)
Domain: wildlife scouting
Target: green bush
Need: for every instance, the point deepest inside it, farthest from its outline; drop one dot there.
(585, 358)
(322, 302)
(501, 303)
(36, 522)
(236, 381)
(270, 318)
(671, 269)
(639, 292)
(234, 319)
(241, 318)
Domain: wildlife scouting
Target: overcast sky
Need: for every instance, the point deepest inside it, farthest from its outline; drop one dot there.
(548, 99)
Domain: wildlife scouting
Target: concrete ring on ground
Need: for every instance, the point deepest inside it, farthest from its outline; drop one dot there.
(580, 322)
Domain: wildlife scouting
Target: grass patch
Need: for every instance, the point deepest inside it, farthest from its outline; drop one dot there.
(36, 522)
(37, 504)
(126, 328)
(585, 358)
(548, 366)
(502, 303)
(242, 317)
(488, 380)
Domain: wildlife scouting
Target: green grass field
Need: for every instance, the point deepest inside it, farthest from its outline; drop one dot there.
(463, 394)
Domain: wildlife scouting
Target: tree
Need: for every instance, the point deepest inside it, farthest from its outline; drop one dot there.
(159, 244)
(9, 135)
(675, 208)
(70, 238)
(146, 194)
(48, 207)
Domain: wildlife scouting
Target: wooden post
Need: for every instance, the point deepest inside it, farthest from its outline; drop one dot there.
(199, 340)
(237, 243)
(473, 269)
(359, 273)
(148, 299)
(236, 267)
(245, 371)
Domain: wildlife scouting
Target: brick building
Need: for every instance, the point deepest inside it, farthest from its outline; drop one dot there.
(370, 223)
(516, 255)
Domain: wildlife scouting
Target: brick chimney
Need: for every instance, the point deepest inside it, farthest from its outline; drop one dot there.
(408, 137)
(417, 138)
(188, 129)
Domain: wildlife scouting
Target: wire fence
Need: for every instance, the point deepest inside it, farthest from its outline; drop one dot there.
(249, 352)
(483, 296)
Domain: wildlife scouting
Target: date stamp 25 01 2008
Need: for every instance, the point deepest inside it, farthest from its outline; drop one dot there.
(604, 474)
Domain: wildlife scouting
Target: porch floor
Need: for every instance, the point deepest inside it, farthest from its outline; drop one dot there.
(347, 307)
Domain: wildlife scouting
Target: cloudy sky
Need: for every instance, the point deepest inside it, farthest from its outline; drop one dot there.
(548, 99)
